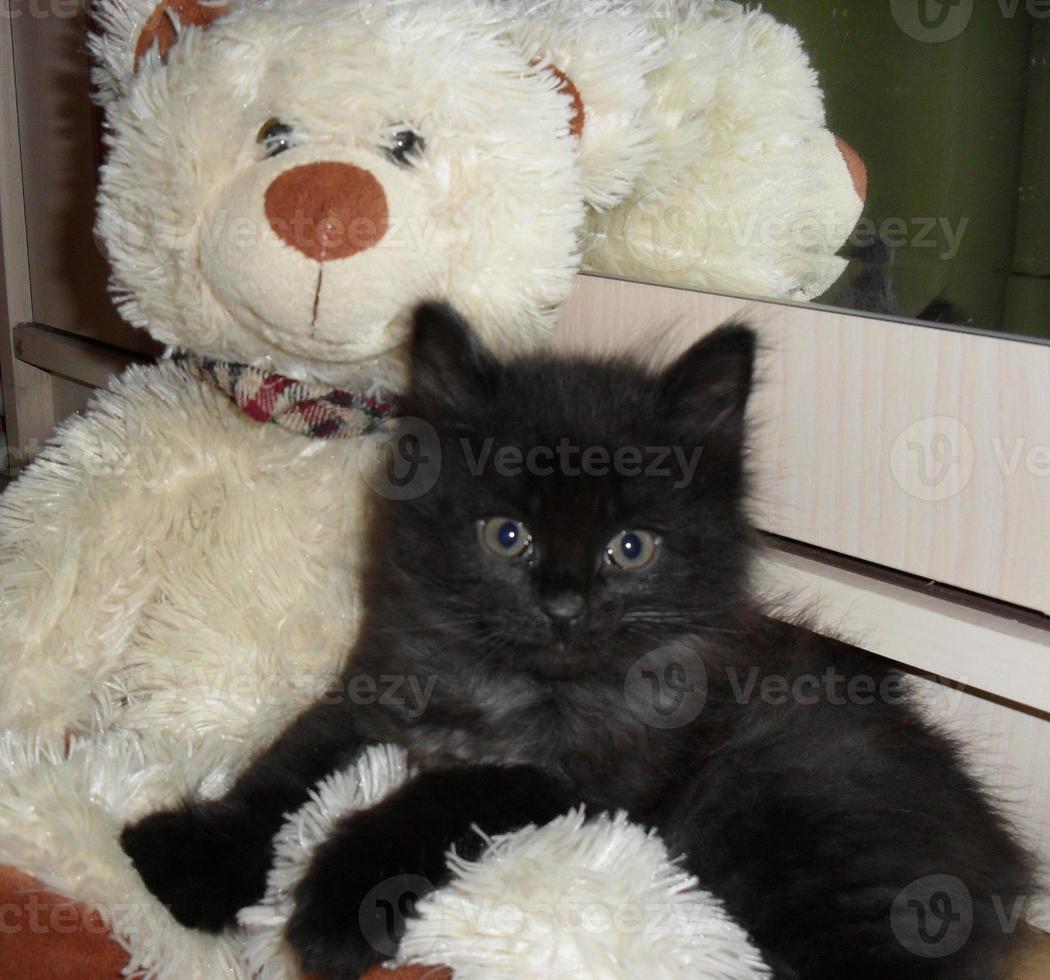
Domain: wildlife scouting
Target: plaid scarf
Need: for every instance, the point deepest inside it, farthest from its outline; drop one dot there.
(304, 407)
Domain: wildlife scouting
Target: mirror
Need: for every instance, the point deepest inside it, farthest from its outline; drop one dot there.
(947, 103)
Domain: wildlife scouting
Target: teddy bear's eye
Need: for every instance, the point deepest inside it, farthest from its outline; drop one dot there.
(405, 144)
(274, 137)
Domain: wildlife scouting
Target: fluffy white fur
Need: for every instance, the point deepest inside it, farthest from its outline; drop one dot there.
(747, 191)
(610, 50)
(169, 565)
(571, 899)
(575, 899)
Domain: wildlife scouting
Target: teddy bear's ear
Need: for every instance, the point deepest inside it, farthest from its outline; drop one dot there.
(600, 54)
(129, 33)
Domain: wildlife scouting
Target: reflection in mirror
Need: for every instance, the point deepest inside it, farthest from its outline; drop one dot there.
(909, 176)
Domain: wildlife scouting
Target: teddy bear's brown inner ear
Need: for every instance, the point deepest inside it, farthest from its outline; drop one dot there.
(160, 29)
(579, 114)
(858, 171)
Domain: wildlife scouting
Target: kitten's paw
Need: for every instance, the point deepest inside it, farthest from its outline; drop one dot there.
(204, 861)
(352, 905)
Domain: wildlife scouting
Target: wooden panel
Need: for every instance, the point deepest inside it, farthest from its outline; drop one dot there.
(69, 356)
(76, 365)
(915, 448)
(71, 397)
(28, 402)
(981, 650)
(59, 153)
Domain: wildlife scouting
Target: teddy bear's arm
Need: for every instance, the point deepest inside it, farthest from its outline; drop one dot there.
(353, 903)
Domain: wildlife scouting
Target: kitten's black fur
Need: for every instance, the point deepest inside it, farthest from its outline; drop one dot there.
(808, 816)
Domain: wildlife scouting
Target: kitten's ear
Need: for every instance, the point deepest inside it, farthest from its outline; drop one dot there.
(450, 367)
(707, 387)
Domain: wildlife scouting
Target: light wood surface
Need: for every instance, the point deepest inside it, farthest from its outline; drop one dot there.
(88, 363)
(28, 400)
(1005, 656)
(59, 152)
(842, 430)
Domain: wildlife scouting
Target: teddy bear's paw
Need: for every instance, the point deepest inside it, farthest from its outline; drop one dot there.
(353, 903)
(204, 861)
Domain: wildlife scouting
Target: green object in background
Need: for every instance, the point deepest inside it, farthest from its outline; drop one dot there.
(1032, 252)
(1028, 305)
(940, 127)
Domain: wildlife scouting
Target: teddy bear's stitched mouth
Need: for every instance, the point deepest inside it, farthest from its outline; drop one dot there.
(317, 297)
(310, 344)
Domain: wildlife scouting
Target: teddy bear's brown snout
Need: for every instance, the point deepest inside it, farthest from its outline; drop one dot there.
(327, 210)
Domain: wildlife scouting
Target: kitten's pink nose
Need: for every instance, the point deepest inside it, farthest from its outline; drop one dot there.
(327, 211)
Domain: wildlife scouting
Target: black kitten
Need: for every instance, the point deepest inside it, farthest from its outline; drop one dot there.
(569, 611)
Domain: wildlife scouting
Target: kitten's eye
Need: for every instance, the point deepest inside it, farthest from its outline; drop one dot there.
(505, 537)
(405, 144)
(631, 550)
(274, 137)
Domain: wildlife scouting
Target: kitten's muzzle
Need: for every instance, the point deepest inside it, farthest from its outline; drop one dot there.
(564, 608)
